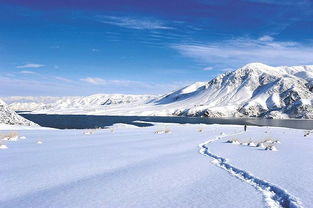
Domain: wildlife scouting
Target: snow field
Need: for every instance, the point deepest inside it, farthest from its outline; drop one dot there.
(125, 166)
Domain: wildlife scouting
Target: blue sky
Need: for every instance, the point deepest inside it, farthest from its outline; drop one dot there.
(80, 47)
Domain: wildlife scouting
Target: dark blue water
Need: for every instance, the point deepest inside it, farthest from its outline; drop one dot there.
(93, 121)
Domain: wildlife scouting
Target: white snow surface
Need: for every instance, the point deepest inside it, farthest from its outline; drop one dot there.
(135, 167)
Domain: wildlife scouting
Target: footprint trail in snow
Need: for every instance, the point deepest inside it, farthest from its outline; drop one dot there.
(274, 196)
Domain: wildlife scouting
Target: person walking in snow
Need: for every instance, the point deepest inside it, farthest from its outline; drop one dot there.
(245, 128)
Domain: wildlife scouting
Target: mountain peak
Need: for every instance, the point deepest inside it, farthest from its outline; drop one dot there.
(254, 65)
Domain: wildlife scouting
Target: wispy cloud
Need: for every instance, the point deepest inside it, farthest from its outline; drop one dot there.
(58, 86)
(227, 69)
(236, 52)
(43, 86)
(134, 23)
(93, 80)
(100, 81)
(208, 68)
(63, 79)
(27, 72)
(30, 66)
(266, 38)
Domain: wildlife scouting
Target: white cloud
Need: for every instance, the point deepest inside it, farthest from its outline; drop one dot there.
(27, 72)
(227, 69)
(63, 79)
(266, 38)
(209, 68)
(237, 52)
(100, 81)
(30, 66)
(16, 86)
(94, 80)
(133, 23)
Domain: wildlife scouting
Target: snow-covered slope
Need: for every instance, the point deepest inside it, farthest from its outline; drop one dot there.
(253, 90)
(8, 116)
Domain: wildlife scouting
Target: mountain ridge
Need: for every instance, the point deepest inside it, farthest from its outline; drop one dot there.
(254, 90)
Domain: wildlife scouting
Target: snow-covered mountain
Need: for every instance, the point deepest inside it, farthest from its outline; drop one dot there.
(8, 116)
(255, 90)
(101, 100)
(73, 103)
(30, 103)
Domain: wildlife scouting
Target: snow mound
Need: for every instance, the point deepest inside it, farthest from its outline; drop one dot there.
(3, 146)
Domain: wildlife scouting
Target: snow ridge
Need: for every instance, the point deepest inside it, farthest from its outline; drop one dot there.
(274, 196)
